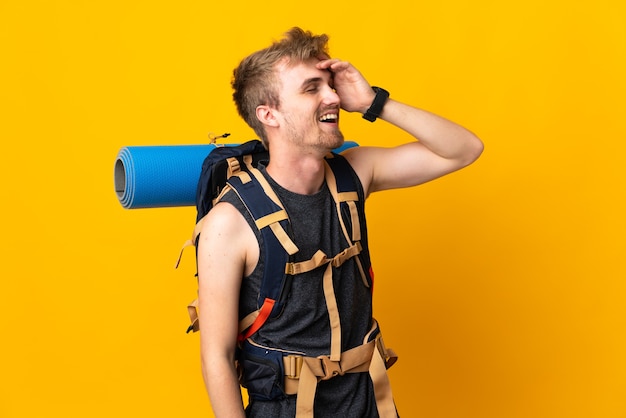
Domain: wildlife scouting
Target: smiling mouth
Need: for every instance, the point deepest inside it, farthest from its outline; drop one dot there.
(329, 118)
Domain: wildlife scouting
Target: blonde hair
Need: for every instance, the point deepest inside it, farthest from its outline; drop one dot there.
(254, 80)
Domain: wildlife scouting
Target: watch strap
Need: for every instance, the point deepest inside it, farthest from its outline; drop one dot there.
(377, 105)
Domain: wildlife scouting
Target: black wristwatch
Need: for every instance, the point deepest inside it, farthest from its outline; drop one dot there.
(377, 105)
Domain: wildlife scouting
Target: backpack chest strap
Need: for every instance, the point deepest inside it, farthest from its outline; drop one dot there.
(319, 259)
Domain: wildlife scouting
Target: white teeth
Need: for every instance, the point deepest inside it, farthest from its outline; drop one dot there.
(330, 116)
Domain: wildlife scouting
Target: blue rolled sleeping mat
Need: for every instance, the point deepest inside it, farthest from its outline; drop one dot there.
(164, 175)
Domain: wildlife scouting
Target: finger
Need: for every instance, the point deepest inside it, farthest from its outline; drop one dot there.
(334, 64)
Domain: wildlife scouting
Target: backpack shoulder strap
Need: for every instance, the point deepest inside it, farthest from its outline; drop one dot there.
(345, 188)
(271, 219)
(342, 184)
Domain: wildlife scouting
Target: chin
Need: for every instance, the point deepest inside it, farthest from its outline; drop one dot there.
(332, 140)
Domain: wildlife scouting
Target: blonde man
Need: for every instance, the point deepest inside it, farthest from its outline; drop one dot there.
(291, 94)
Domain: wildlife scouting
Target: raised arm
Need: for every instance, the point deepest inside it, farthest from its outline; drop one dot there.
(442, 146)
(224, 255)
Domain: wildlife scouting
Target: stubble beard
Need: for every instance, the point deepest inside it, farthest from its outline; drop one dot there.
(324, 139)
(331, 140)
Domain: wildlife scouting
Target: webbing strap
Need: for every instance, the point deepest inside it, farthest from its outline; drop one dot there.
(264, 313)
(313, 370)
(283, 238)
(333, 314)
(192, 309)
(186, 244)
(306, 392)
(382, 387)
(245, 177)
(347, 196)
(354, 214)
(247, 159)
(302, 374)
(233, 166)
(266, 186)
(346, 254)
(344, 197)
(319, 259)
(248, 320)
(278, 230)
(267, 220)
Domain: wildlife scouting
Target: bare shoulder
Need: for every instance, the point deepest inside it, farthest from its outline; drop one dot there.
(361, 159)
(223, 219)
(226, 241)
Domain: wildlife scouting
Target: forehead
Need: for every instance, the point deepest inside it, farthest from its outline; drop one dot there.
(294, 75)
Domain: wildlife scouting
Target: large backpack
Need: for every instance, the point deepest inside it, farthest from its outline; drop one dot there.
(279, 373)
(234, 167)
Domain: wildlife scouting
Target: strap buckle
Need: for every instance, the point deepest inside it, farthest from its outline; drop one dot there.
(293, 365)
(330, 368)
(389, 356)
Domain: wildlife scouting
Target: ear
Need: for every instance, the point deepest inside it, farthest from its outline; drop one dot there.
(266, 115)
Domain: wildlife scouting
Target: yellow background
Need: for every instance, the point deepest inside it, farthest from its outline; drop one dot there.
(502, 286)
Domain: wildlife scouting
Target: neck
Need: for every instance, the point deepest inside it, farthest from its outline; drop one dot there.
(298, 173)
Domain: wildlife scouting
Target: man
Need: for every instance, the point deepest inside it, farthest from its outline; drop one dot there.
(291, 93)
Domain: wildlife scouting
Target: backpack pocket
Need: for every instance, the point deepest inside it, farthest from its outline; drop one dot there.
(262, 372)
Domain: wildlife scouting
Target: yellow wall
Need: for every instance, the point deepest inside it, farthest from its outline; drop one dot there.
(502, 286)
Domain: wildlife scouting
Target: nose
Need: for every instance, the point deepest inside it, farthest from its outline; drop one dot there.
(330, 96)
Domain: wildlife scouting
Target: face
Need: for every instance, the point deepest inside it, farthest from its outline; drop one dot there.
(309, 107)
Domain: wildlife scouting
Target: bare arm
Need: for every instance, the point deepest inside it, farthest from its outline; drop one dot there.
(442, 146)
(223, 254)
